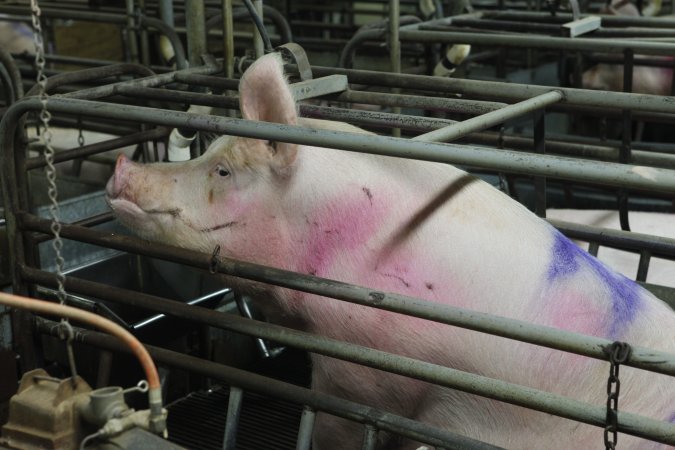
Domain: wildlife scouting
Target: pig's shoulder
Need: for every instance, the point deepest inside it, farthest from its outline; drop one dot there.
(330, 125)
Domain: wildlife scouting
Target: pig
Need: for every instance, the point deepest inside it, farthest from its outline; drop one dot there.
(661, 271)
(646, 80)
(422, 229)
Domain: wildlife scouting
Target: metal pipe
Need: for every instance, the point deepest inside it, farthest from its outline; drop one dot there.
(592, 347)
(166, 12)
(195, 23)
(257, 33)
(369, 437)
(394, 51)
(658, 180)
(415, 33)
(490, 119)
(304, 441)
(9, 64)
(443, 376)
(130, 29)
(232, 418)
(100, 147)
(228, 39)
(289, 392)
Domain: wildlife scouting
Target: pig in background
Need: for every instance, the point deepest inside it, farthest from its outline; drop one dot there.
(646, 80)
(417, 228)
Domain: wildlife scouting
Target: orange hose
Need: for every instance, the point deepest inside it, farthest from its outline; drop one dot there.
(55, 309)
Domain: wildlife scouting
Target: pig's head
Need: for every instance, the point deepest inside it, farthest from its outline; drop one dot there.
(230, 196)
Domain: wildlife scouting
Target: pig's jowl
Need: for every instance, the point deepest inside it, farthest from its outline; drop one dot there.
(417, 228)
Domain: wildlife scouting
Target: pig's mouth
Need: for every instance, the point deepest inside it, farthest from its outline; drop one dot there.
(130, 212)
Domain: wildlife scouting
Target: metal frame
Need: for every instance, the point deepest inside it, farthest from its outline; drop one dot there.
(22, 227)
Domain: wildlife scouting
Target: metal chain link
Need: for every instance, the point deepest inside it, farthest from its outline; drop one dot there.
(50, 172)
(619, 352)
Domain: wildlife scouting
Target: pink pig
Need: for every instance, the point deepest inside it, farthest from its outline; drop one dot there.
(417, 228)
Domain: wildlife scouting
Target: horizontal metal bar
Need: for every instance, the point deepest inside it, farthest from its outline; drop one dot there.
(447, 377)
(629, 240)
(491, 118)
(100, 147)
(627, 176)
(498, 90)
(285, 391)
(593, 347)
(417, 33)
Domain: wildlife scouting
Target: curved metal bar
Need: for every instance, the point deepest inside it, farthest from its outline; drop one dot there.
(13, 71)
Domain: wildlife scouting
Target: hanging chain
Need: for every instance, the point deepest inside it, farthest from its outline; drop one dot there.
(619, 352)
(80, 135)
(50, 172)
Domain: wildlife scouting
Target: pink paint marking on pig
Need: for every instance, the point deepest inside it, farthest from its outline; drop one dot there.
(418, 228)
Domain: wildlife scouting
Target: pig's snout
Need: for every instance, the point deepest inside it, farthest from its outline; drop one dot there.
(120, 178)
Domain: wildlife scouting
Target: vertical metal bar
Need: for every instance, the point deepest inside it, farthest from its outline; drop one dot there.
(539, 119)
(395, 51)
(306, 429)
(232, 421)
(228, 39)
(166, 12)
(145, 43)
(195, 24)
(131, 31)
(244, 310)
(369, 437)
(257, 38)
(104, 368)
(593, 248)
(643, 266)
(625, 149)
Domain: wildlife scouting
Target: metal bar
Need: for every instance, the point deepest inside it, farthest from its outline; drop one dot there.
(454, 105)
(258, 44)
(232, 418)
(100, 147)
(394, 51)
(417, 33)
(643, 266)
(539, 119)
(285, 391)
(471, 383)
(493, 89)
(130, 29)
(228, 39)
(490, 119)
(627, 133)
(632, 177)
(195, 23)
(631, 241)
(514, 329)
(369, 437)
(306, 428)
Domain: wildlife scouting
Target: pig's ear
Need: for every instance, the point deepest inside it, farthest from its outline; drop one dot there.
(264, 95)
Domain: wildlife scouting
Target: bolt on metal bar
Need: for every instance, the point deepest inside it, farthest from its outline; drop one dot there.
(632, 177)
(232, 418)
(257, 383)
(442, 376)
(306, 428)
(490, 119)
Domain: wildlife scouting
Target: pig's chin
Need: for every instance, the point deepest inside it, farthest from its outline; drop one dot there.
(147, 225)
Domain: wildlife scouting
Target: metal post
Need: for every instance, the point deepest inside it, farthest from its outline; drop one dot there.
(539, 119)
(131, 31)
(228, 39)
(625, 149)
(369, 438)
(257, 38)
(394, 51)
(306, 429)
(490, 119)
(195, 23)
(232, 421)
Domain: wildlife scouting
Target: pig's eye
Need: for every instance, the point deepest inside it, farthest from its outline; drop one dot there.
(223, 172)
(272, 144)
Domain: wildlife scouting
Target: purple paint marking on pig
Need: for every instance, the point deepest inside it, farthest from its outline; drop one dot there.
(568, 259)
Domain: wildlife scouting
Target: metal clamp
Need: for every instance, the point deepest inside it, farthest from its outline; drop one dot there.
(296, 55)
